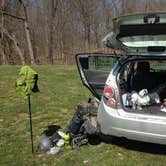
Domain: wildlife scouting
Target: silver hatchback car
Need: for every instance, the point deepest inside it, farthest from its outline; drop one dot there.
(131, 87)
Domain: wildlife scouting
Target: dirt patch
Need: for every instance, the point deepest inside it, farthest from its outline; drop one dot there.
(45, 98)
(22, 116)
(65, 110)
(1, 120)
(42, 115)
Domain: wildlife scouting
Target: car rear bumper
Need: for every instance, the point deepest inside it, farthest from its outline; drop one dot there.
(140, 128)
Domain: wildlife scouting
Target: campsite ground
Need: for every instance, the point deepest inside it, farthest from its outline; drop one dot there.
(60, 91)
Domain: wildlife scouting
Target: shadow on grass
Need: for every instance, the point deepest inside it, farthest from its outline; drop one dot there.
(135, 145)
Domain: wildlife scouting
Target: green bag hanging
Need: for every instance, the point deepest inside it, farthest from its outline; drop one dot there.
(27, 81)
(25, 85)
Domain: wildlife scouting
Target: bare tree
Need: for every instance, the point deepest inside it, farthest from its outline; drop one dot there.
(32, 59)
(84, 9)
(54, 6)
(4, 59)
(7, 37)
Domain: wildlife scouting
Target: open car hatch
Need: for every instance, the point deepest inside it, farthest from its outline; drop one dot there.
(94, 69)
(141, 33)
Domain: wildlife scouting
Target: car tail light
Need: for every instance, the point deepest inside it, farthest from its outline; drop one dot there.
(109, 96)
(108, 91)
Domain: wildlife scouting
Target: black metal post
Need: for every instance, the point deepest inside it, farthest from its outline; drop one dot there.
(30, 122)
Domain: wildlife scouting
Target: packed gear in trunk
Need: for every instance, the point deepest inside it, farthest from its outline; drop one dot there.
(145, 89)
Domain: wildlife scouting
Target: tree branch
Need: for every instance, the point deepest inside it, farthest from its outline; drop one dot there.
(13, 16)
(13, 38)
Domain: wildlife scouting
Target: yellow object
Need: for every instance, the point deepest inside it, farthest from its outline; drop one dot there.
(67, 137)
(67, 142)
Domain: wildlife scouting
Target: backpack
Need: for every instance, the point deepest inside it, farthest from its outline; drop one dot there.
(27, 81)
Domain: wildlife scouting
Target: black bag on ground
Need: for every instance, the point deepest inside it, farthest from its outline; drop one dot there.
(83, 111)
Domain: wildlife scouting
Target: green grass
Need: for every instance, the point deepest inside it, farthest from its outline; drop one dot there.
(60, 91)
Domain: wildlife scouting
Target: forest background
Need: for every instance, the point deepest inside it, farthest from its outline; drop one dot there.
(53, 31)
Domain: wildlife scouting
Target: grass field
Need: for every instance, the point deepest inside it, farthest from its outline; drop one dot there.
(60, 92)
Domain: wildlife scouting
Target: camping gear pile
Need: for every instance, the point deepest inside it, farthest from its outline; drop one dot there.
(81, 130)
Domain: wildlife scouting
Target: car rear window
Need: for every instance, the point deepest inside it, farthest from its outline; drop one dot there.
(104, 63)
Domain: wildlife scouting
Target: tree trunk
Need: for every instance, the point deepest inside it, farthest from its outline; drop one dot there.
(88, 33)
(54, 5)
(10, 55)
(51, 28)
(32, 59)
(4, 59)
(97, 38)
(62, 47)
(50, 45)
(123, 8)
